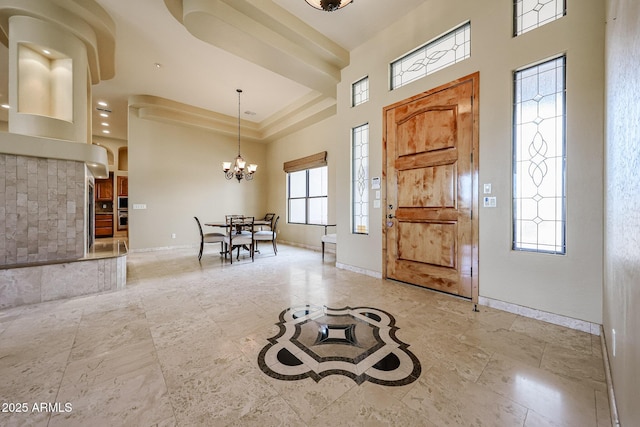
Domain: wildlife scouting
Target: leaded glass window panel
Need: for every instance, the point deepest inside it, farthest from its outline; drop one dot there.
(453, 47)
(539, 199)
(360, 92)
(360, 179)
(531, 14)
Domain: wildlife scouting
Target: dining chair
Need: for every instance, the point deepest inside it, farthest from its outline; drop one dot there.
(267, 235)
(208, 238)
(243, 239)
(268, 217)
(228, 218)
(237, 220)
(328, 238)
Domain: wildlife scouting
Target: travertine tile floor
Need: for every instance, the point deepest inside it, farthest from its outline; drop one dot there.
(180, 345)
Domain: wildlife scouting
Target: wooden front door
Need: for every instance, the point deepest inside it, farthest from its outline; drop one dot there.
(431, 233)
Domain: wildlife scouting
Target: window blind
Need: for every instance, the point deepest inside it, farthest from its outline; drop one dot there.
(309, 162)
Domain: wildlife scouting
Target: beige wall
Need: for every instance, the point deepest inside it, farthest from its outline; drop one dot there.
(176, 171)
(322, 136)
(568, 285)
(622, 253)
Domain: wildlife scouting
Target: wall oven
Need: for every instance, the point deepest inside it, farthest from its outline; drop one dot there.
(123, 220)
(123, 203)
(123, 213)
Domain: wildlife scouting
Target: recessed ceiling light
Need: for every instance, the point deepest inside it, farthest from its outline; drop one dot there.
(46, 52)
(104, 115)
(5, 106)
(104, 124)
(105, 131)
(102, 103)
(157, 65)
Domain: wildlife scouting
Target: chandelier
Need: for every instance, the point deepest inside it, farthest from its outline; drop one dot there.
(238, 171)
(328, 5)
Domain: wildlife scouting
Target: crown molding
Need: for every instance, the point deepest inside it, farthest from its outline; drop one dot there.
(307, 111)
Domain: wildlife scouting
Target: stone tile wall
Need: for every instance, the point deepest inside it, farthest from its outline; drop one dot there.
(42, 210)
(40, 283)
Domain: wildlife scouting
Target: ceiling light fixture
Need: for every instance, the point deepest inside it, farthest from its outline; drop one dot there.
(328, 5)
(239, 165)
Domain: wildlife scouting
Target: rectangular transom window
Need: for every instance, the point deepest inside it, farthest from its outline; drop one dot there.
(446, 50)
(539, 158)
(360, 179)
(531, 14)
(360, 92)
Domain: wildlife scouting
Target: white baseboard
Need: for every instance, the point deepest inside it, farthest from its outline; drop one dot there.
(165, 248)
(371, 273)
(556, 319)
(613, 408)
(300, 245)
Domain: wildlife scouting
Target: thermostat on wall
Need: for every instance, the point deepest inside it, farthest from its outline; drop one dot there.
(375, 183)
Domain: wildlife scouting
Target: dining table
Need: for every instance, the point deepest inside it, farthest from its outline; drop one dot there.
(238, 225)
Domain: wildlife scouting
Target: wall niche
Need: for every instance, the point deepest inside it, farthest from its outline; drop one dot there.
(123, 158)
(45, 82)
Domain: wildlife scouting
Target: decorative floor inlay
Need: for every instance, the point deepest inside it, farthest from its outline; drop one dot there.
(359, 343)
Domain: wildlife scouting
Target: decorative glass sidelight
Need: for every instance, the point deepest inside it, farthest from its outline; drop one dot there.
(539, 199)
(360, 179)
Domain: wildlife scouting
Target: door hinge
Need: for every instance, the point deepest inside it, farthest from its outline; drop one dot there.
(471, 271)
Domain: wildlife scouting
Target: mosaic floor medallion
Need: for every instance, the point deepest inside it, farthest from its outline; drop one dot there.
(360, 343)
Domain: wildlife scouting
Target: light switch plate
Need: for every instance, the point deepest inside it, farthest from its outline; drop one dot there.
(487, 189)
(489, 202)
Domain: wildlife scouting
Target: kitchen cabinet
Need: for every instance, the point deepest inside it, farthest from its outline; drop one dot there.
(104, 189)
(123, 186)
(104, 225)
